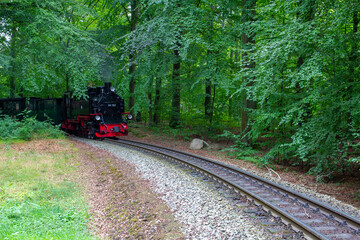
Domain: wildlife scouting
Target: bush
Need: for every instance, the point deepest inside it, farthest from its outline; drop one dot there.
(240, 149)
(27, 128)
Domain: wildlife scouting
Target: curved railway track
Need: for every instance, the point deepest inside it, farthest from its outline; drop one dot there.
(314, 219)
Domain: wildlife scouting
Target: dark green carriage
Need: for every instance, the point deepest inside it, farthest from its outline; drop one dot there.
(12, 106)
(43, 109)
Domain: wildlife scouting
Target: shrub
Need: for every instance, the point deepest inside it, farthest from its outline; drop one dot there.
(27, 128)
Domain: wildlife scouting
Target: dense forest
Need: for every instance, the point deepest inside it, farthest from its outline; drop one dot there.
(281, 75)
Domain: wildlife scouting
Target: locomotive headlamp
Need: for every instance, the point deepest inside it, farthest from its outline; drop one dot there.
(112, 89)
(97, 118)
(129, 116)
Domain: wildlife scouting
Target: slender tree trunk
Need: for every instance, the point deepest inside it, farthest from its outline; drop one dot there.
(157, 102)
(212, 104)
(306, 14)
(12, 63)
(207, 103)
(132, 83)
(352, 65)
(354, 49)
(247, 40)
(12, 86)
(175, 104)
(67, 79)
(150, 102)
(132, 68)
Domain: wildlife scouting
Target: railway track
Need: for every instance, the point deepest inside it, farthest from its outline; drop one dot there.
(315, 220)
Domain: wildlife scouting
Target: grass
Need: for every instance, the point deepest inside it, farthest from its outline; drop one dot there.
(38, 199)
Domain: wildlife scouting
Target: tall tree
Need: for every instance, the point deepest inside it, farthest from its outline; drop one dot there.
(248, 42)
(176, 88)
(134, 11)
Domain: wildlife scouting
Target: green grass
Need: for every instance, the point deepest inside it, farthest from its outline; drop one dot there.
(38, 199)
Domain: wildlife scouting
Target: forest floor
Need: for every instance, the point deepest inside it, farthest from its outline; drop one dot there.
(121, 205)
(62, 188)
(345, 189)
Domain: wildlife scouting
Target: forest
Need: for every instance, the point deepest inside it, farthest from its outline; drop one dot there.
(280, 76)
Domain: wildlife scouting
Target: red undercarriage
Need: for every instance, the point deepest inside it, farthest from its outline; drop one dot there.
(80, 126)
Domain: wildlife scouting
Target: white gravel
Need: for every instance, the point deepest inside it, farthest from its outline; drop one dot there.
(204, 213)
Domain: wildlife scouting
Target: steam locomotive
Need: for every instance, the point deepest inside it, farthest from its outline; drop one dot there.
(101, 115)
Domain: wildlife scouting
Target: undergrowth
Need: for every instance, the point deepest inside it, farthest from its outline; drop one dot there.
(27, 128)
(241, 150)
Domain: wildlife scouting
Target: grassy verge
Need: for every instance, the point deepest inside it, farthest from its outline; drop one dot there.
(38, 198)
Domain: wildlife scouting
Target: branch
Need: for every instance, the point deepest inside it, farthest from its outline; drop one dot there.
(95, 3)
(126, 13)
(91, 22)
(308, 215)
(271, 170)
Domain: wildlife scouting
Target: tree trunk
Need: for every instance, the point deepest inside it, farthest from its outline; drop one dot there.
(132, 84)
(67, 79)
(150, 102)
(353, 59)
(157, 102)
(354, 49)
(175, 105)
(207, 104)
(247, 40)
(212, 104)
(12, 86)
(132, 68)
(305, 15)
(12, 63)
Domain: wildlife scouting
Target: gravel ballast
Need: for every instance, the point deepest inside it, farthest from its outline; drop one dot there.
(203, 213)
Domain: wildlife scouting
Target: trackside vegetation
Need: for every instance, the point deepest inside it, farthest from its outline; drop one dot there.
(27, 128)
(38, 197)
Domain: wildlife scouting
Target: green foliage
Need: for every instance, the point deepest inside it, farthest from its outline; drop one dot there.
(47, 47)
(240, 149)
(302, 69)
(27, 128)
(306, 83)
(304, 77)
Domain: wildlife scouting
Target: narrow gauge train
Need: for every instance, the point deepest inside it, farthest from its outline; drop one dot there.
(102, 115)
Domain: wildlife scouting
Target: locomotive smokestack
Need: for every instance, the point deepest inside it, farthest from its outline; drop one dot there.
(107, 86)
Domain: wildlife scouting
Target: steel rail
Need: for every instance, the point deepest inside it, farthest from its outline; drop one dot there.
(322, 206)
(308, 231)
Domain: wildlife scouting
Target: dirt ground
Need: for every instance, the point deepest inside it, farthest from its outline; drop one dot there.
(122, 204)
(343, 189)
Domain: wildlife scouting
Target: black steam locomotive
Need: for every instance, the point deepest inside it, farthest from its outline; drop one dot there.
(102, 115)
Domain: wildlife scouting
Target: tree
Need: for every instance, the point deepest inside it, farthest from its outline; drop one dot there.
(248, 41)
(175, 103)
(53, 50)
(134, 10)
